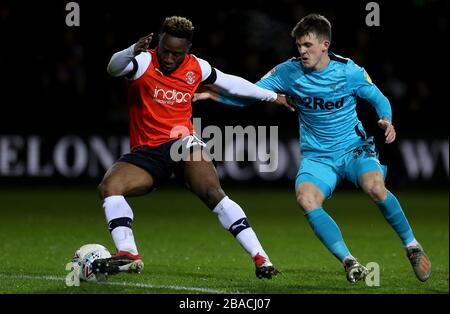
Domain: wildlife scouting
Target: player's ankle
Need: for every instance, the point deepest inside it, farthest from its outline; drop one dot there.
(413, 243)
(133, 255)
(260, 259)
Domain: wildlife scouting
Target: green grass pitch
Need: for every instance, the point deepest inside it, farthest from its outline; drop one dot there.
(186, 250)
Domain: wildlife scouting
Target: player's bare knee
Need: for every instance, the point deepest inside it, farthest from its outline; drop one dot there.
(213, 195)
(307, 201)
(103, 190)
(107, 188)
(377, 191)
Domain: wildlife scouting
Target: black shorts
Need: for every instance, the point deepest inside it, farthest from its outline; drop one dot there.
(158, 162)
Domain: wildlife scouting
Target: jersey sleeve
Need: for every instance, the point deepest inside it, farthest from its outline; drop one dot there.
(271, 82)
(206, 69)
(140, 64)
(362, 86)
(124, 63)
(240, 87)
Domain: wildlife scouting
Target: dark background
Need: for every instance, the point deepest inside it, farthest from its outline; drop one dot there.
(54, 78)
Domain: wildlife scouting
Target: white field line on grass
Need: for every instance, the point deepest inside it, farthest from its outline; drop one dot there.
(123, 283)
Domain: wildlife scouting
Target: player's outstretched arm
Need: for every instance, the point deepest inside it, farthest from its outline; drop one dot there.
(238, 86)
(389, 130)
(207, 93)
(121, 62)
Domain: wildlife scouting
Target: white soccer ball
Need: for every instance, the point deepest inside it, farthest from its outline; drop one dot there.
(84, 257)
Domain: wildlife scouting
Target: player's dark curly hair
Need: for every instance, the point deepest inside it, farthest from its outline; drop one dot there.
(313, 23)
(178, 26)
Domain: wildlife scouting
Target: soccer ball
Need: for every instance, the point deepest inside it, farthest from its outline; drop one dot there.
(83, 259)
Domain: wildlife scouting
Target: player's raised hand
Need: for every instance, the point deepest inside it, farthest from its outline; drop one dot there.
(389, 130)
(286, 101)
(142, 44)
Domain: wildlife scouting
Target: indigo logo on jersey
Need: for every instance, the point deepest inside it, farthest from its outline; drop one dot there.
(318, 103)
(170, 97)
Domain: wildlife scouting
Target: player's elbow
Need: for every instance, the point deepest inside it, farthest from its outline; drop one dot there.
(112, 70)
(115, 68)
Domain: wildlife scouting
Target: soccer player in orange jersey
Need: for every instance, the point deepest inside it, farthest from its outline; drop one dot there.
(161, 84)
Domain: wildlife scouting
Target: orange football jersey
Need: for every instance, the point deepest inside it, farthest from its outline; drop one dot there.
(160, 106)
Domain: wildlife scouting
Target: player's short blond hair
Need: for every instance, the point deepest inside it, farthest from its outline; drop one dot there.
(178, 26)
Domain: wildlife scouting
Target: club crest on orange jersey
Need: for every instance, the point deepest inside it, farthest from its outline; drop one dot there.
(190, 77)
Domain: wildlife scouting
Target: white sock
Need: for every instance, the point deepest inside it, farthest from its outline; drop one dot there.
(230, 213)
(117, 207)
(247, 238)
